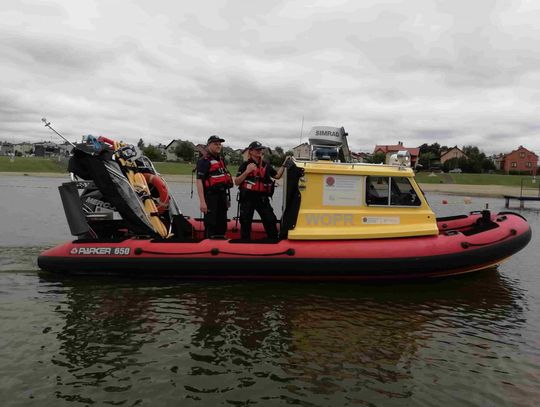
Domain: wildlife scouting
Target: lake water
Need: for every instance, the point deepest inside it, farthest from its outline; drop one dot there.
(468, 341)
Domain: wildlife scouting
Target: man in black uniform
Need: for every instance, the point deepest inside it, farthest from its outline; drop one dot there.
(213, 184)
(254, 178)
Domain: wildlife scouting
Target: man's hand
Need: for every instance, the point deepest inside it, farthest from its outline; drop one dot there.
(204, 207)
(250, 168)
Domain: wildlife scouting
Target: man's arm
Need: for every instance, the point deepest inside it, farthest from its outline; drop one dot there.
(202, 170)
(243, 172)
(281, 169)
(202, 200)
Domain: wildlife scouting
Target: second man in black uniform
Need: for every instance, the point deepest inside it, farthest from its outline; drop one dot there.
(254, 178)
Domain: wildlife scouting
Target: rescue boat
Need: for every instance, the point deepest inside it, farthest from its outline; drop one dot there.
(341, 221)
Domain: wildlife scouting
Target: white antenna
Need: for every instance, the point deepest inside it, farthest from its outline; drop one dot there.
(48, 124)
(301, 129)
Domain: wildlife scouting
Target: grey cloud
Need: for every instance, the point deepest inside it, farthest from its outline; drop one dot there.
(54, 53)
(277, 50)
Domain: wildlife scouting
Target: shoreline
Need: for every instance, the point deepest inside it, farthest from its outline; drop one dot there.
(494, 191)
(497, 191)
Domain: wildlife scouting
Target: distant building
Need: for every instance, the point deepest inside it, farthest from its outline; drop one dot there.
(361, 157)
(453, 153)
(388, 150)
(169, 150)
(46, 149)
(162, 149)
(301, 151)
(520, 160)
(498, 161)
(23, 149)
(65, 149)
(6, 148)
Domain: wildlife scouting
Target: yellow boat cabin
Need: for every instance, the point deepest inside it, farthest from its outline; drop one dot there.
(359, 201)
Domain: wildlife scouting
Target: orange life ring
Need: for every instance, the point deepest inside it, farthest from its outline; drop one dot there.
(155, 181)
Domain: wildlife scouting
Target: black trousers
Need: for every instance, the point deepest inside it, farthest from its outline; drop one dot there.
(215, 220)
(251, 202)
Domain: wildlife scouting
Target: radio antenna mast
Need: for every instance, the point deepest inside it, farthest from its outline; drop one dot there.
(48, 124)
(302, 130)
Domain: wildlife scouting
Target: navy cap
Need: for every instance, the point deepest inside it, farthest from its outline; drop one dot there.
(213, 139)
(255, 145)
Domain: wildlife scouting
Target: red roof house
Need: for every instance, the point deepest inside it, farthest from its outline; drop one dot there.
(520, 160)
(388, 150)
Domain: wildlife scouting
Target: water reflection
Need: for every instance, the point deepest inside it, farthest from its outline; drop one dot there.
(270, 343)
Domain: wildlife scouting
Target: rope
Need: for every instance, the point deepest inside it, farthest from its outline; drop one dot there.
(215, 252)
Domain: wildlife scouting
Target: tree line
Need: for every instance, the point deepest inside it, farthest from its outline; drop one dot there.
(474, 161)
(186, 151)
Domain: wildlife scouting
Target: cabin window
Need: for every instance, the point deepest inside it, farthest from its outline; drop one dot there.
(514, 164)
(522, 154)
(529, 165)
(377, 190)
(394, 191)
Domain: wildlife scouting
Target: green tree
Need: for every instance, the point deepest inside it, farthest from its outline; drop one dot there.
(276, 156)
(377, 158)
(185, 150)
(153, 153)
(476, 159)
(231, 156)
(427, 159)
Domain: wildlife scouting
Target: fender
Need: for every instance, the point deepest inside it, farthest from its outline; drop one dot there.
(159, 184)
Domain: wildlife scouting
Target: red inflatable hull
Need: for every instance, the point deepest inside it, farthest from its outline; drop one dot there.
(465, 243)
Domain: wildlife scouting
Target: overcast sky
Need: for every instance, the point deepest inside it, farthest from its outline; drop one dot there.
(453, 72)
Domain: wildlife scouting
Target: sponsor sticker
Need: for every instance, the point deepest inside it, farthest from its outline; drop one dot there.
(380, 220)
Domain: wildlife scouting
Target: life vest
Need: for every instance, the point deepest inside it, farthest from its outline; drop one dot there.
(258, 181)
(218, 176)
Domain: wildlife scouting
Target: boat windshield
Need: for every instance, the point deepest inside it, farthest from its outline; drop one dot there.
(390, 191)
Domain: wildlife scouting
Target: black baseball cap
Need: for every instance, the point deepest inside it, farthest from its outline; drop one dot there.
(255, 145)
(213, 139)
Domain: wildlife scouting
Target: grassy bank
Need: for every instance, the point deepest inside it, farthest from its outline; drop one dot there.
(38, 165)
(45, 165)
(31, 164)
(477, 179)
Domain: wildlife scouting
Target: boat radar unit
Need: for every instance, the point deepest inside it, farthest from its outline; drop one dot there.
(329, 143)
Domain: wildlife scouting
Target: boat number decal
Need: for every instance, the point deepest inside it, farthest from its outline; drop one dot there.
(380, 220)
(101, 251)
(330, 219)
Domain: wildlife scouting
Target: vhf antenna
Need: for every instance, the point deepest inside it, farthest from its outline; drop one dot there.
(48, 124)
(302, 130)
